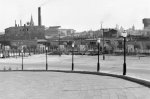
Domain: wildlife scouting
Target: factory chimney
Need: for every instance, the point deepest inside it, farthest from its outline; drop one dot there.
(15, 24)
(39, 16)
(20, 23)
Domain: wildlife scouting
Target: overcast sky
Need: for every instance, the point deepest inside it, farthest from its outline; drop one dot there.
(76, 14)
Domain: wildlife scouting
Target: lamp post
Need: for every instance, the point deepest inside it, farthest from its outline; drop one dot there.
(59, 44)
(103, 45)
(103, 52)
(124, 34)
(22, 56)
(46, 58)
(98, 64)
(72, 56)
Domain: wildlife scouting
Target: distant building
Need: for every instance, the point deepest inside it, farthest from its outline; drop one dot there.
(66, 32)
(110, 33)
(55, 32)
(146, 22)
(51, 32)
(146, 30)
(24, 33)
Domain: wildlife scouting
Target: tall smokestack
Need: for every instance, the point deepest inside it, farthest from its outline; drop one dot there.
(15, 24)
(20, 23)
(39, 16)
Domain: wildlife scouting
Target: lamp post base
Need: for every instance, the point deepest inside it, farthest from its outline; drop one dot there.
(22, 61)
(98, 65)
(46, 66)
(22, 67)
(72, 66)
(124, 68)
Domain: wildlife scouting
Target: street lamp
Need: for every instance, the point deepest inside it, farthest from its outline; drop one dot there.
(124, 34)
(22, 56)
(46, 58)
(72, 56)
(98, 64)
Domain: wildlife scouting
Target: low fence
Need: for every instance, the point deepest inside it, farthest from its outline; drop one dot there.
(16, 53)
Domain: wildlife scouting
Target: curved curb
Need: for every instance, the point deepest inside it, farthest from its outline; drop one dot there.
(136, 80)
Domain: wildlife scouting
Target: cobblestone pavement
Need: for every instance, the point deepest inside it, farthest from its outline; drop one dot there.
(57, 85)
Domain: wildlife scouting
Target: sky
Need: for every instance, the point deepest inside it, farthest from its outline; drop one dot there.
(76, 14)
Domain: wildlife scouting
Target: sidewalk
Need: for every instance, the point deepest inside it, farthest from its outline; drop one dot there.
(57, 85)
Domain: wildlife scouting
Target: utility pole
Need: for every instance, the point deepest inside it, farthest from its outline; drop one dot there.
(103, 41)
(103, 46)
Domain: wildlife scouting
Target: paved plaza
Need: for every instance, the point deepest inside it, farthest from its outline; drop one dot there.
(136, 67)
(58, 85)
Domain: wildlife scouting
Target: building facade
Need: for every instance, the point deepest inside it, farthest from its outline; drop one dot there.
(25, 33)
